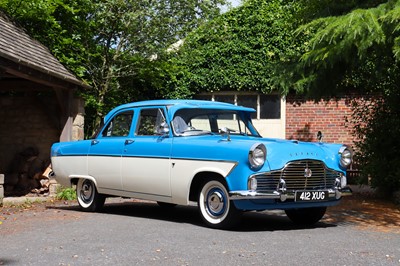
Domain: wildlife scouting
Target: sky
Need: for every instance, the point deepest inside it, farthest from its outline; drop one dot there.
(235, 2)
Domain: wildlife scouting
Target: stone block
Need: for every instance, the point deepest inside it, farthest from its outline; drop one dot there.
(1, 195)
(1, 189)
(53, 189)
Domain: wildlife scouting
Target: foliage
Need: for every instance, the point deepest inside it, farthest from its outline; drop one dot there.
(240, 49)
(111, 43)
(348, 48)
(314, 9)
(66, 194)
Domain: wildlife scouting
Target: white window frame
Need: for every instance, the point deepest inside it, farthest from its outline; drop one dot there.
(258, 103)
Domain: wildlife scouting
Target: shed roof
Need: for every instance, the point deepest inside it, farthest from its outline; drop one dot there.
(17, 46)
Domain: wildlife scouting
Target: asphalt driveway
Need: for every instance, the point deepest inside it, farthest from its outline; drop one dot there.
(360, 231)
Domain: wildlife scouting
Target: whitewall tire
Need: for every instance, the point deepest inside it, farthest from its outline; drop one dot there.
(88, 197)
(215, 208)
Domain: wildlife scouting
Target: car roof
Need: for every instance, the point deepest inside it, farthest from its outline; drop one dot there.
(174, 105)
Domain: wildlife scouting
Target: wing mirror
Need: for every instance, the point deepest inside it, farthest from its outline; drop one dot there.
(163, 129)
(227, 132)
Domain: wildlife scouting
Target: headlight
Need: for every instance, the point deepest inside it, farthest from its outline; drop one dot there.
(346, 156)
(257, 155)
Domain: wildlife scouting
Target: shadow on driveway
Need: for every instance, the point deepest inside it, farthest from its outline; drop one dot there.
(251, 221)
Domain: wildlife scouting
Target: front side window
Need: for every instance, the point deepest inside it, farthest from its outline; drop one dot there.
(151, 122)
(119, 126)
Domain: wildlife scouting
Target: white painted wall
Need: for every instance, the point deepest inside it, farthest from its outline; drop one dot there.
(273, 128)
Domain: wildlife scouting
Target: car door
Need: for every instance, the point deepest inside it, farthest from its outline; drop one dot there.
(146, 157)
(105, 153)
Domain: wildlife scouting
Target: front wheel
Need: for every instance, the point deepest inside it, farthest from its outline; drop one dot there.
(306, 216)
(88, 197)
(215, 208)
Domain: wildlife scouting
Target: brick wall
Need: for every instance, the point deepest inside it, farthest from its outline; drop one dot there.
(304, 118)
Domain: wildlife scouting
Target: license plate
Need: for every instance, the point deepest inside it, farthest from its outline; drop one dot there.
(312, 195)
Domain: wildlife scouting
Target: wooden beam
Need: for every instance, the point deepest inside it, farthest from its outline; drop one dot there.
(21, 85)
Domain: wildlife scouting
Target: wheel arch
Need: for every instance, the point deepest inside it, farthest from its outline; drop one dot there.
(74, 179)
(200, 178)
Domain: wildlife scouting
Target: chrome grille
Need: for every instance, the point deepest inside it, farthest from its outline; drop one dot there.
(294, 176)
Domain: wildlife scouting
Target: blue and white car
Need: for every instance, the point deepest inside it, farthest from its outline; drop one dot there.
(177, 152)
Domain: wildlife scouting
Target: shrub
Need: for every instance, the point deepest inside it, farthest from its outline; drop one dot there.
(66, 194)
(378, 148)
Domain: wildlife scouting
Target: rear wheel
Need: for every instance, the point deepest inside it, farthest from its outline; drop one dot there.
(88, 197)
(215, 208)
(306, 216)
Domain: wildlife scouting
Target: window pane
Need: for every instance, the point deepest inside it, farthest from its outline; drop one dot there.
(248, 101)
(270, 107)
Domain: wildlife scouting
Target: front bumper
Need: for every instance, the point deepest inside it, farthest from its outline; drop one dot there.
(334, 194)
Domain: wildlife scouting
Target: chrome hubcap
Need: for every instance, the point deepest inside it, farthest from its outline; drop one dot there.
(86, 191)
(216, 202)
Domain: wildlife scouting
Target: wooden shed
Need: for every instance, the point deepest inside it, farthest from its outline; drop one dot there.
(38, 105)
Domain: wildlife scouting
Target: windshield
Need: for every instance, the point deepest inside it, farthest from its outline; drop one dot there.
(189, 122)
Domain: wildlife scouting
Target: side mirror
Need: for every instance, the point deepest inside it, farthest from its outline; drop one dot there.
(163, 129)
(227, 132)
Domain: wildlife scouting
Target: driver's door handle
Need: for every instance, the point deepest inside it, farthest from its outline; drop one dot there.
(129, 141)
